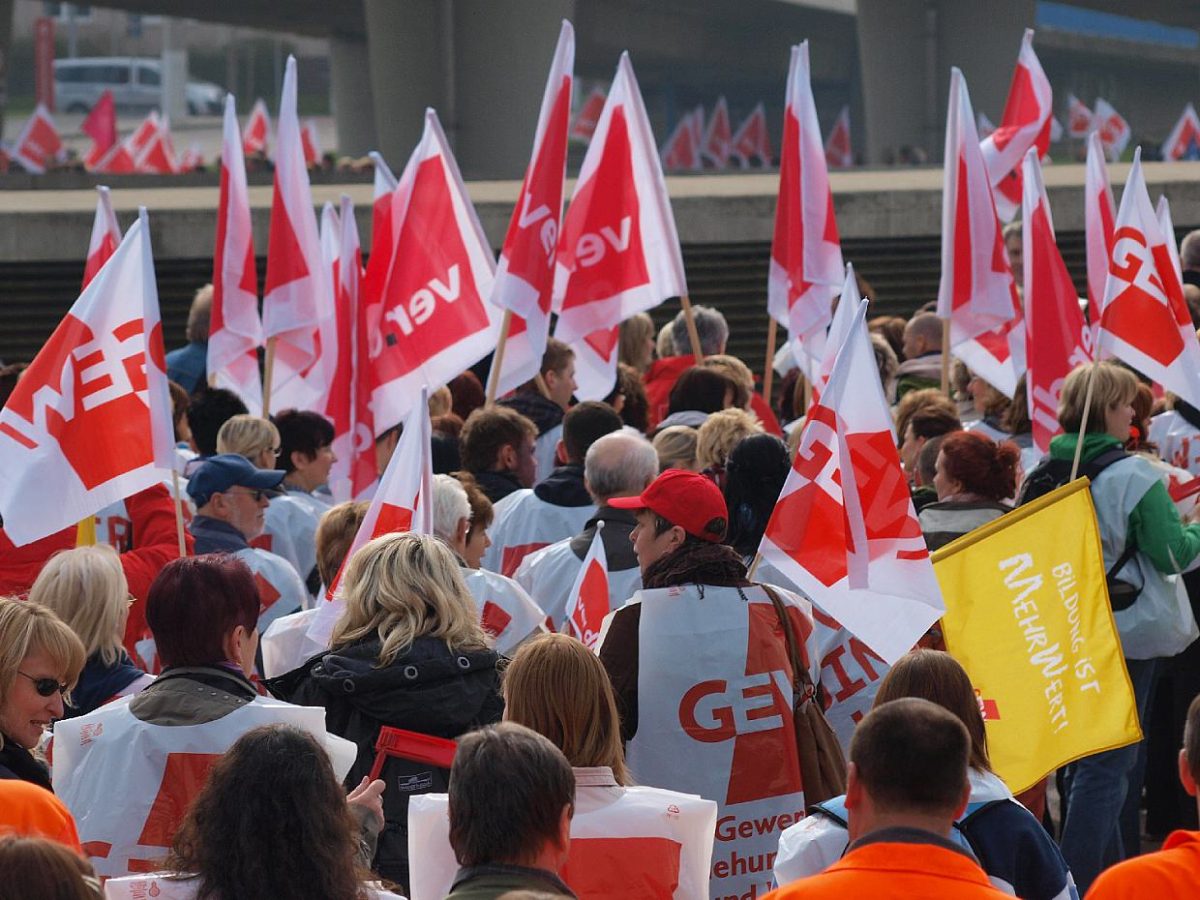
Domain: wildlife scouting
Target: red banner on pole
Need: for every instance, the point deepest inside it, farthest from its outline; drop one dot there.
(43, 61)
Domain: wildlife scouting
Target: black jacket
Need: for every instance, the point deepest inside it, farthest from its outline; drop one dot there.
(428, 690)
(19, 764)
(542, 411)
(564, 486)
(497, 485)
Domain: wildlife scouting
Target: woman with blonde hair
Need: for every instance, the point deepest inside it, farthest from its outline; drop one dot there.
(716, 438)
(86, 587)
(676, 448)
(40, 661)
(409, 653)
(253, 437)
(636, 344)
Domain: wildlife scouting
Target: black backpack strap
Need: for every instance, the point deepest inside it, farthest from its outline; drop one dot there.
(1102, 461)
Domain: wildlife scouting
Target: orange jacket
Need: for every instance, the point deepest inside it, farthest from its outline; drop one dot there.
(896, 863)
(32, 811)
(1174, 871)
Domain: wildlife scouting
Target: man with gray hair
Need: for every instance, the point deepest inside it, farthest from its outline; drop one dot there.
(617, 465)
(1189, 257)
(713, 331)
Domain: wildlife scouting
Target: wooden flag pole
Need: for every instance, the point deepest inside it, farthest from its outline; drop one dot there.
(753, 567)
(693, 335)
(268, 372)
(498, 360)
(1083, 420)
(179, 514)
(769, 365)
(946, 357)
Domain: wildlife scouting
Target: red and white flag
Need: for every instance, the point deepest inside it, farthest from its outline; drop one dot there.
(1184, 140)
(157, 154)
(584, 125)
(379, 262)
(235, 333)
(137, 142)
(588, 602)
(435, 320)
(89, 423)
(717, 145)
(1145, 321)
(1100, 213)
(844, 527)
(619, 251)
(1025, 124)
(192, 159)
(698, 126)
(838, 152)
(106, 235)
(353, 445)
(1055, 334)
(596, 357)
(681, 152)
(1162, 210)
(806, 251)
(1056, 130)
(311, 142)
(1079, 118)
(751, 140)
(256, 136)
(101, 126)
(296, 296)
(977, 292)
(525, 275)
(985, 125)
(839, 330)
(1114, 130)
(117, 161)
(38, 144)
(402, 502)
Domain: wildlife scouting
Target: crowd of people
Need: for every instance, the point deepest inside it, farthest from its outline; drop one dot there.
(170, 726)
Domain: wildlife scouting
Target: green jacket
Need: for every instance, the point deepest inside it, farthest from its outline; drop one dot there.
(493, 881)
(1154, 523)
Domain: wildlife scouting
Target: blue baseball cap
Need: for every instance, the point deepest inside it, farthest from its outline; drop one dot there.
(219, 473)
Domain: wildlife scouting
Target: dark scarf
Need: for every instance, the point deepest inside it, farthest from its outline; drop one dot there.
(697, 562)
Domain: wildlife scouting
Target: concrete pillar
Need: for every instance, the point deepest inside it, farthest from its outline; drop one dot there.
(405, 71)
(891, 48)
(6, 29)
(174, 70)
(352, 97)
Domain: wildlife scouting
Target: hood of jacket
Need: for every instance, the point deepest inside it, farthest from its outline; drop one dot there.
(542, 411)
(564, 487)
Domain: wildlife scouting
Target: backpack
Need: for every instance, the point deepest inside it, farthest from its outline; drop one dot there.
(1054, 473)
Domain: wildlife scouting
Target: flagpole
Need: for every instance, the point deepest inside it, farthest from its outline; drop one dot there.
(498, 360)
(693, 335)
(946, 357)
(769, 366)
(179, 513)
(268, 371)
(1083, 419)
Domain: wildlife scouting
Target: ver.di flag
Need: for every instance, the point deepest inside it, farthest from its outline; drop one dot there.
(106, 235)
(1099, 216)
(89, 422)
(588, 603)
(838, 153)
(718, 136)
(1079, 117)
(257, 133)
(1028, 616)
(38, 145)
(1114, 131)
(1184, 140)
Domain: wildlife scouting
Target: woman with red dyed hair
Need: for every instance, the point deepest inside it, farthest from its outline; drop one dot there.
(974, 476)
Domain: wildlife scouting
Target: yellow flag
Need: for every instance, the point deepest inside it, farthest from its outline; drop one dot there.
(85, 532)
(1027, 615)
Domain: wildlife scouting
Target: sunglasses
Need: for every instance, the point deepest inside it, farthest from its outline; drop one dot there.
(45, 687)
(257, 495)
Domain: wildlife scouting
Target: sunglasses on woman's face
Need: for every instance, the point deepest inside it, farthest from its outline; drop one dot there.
(45, 686)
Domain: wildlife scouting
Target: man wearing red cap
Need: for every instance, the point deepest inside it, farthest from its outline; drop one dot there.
(703, 679)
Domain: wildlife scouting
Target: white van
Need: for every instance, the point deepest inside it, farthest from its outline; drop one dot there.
(136, 85)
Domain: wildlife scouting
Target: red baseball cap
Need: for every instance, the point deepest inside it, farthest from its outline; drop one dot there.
(686, 499)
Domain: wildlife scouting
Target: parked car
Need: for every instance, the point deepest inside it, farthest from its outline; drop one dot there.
(136, 85)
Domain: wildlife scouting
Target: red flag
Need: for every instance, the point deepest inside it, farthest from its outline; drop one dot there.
(235, 332)
(596, 363)
(806, 252)
(1079, 117)
(1184, 140)
(718, 138)
(1145, 321)
(681, 152)
(985, 125)
(38, 144)
(588, 601)
(585, 123)
(752, 140)
(844, 527)
(157, 154)
(436, 320)
(1026, 123)
(1114, 130)
(357, 445)
(977, 292)
(101, 126)
(311, 142)
(117, 161)
(838, 153)
(143, 134)
(106, 235)
(257, 134)
(296, 296)
(1055, 334)
(839, 330)
(1099, 212)
(525, 276)
(619, 252)
(89, 423)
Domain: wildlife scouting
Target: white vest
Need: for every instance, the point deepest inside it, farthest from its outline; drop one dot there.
(525, 523)
(290, 530)
(625, 841)
(545, 450)
(550, 573)
(286, 644)
(715, 718)
(128, 783)
(506, 612)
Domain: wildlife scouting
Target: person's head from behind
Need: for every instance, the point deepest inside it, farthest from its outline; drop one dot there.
(1016, 419)
(700, 389)
(451, 512)
(253, 437)
(239, 836)
(558, 373)
(583, 425)
(1189, 755)
(1111, 410)
(306, 448)
(987, 400)
(886, 362)
(1014, 250)
(678, 509)
(664, 344)
(180, 401)
(938, 677)
(719, 434)
(512, 795)
(560, 689)
(203, 611)
(619, 465)
(86, 588)
(923, 399)
(209, 410)
(199, 318)
(40, 661)
(923, 424)
(737, 372)
(710, 326)
(400, 587)
(908, 767)
(335, 534)
(757, 468)
(926, 469)
(891, 329)
(1189, 251)
(629, 399)
(635, 345)
(482, 514)
(499, 439)
(36, 868)
(676, 448)
(971, 463)
(922, 335)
